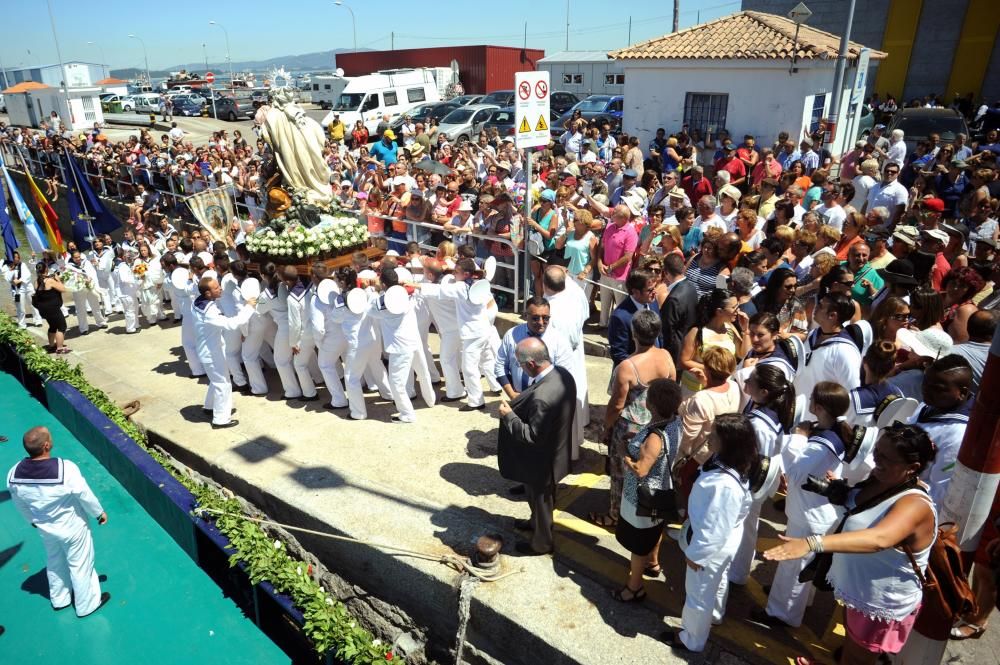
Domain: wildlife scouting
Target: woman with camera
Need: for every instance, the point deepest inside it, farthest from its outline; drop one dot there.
(719, 502)
(808, 513)
(887, 533)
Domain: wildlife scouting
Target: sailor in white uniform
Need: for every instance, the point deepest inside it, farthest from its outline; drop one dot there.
(22, 287)
(944, 414)
(230, 303)
(254, 334)
(402, 345)
(150, 284)
(445, 316)
(126, 288)
(104, 262)
(331, 343)
(86, 299)
(53, 496)
(209, 325)
(831, 352)
(570, 310)
(363, 357)
(300, 337)
(184, 298)
(276, 304)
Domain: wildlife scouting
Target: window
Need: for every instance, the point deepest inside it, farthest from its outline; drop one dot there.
(567, 79)
(389, 99)
(371, 102)
(88, 109)
(703, 110)
(619, 79)
(616, 106)
(326, 86)
(316, 87)
(416, 95)
(577, 79)
(614, 79)
(819, 104)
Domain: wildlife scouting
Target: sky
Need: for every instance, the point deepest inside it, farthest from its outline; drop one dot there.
(174, 31)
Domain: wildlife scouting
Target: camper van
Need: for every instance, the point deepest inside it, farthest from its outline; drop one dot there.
(392, 92)
(325, 89)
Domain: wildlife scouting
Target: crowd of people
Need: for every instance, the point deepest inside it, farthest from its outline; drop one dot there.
(762, 305)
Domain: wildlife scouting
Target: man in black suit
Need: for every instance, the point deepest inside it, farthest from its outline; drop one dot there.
(640, 285)
(680, 309)
(536, 430)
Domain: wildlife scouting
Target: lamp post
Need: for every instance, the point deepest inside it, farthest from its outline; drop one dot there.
(104, 62)
(204, 51)
(62, 69)
(229, 58)
(354, 24)
(145, 56)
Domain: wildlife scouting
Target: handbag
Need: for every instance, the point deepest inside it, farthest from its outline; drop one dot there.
(660, 503)
(947, 595)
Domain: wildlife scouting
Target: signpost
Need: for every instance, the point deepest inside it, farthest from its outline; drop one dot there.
(210, 79)
(531, 121)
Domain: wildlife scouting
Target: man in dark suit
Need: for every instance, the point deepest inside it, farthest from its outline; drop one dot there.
(640, 285)
(536, 431)
(680, 309)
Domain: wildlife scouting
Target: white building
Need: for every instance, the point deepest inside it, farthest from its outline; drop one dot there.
(29, 103)
(737, 73)
(113, 86)
(584, 73)
(78, 74)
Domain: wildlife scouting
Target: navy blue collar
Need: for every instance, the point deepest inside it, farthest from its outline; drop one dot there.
(39, 472)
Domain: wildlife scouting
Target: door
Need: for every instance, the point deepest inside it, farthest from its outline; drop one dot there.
(479, 120)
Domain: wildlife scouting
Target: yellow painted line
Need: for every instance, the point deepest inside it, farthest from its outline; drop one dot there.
(901, 22)
(974, 48)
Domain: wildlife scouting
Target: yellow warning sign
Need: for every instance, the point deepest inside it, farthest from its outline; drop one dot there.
(525, 127)
(541, 126)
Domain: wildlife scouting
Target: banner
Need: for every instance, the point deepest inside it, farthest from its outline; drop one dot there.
(104, 220)
(213, 209)
(81, 228)
(49, 217)
(10, 242)
(34, 234)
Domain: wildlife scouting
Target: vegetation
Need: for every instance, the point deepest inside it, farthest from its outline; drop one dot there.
(328, 624)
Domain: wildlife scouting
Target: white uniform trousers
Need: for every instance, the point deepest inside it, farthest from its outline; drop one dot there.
(114, 294)
(333, 346)
(739, 571)
(69, 567)
(706, 591)
(473, 351)
(359, 362)
(425, 347)
(789, 597)
(304, 363)
(233, 340)
(81, 300)
(103, 289)
(219, 397)
(189, 342)
(23, 307)
(488, 361)
(149, 304)
(250, 353)
(612, 294)
(401, 366)
(283, 361)
(450, 355)
(129, 306)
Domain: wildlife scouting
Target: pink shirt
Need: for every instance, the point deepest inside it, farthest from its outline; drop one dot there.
(618, 242)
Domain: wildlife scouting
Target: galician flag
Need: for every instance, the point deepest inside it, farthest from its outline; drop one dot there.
(49, 216)
(35, 238)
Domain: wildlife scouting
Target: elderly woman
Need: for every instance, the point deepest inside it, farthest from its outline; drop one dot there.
(719, 503)
(852, 234)
(627, 412)
(647, 460)
(704, 268)
(881, 552)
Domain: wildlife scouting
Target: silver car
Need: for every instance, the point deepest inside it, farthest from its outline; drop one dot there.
(466, 122)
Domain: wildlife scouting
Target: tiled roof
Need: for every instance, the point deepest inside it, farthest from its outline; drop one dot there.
(110, 81)
(743, 36)
(24, 86)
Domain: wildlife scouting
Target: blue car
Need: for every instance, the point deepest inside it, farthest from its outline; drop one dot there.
(595, 107)
(187, 107)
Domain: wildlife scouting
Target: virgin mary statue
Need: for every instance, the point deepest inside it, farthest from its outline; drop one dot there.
(296, 141)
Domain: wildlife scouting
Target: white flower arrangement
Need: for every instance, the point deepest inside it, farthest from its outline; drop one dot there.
(332, 234)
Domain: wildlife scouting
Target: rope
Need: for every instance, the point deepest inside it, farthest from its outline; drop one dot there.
(450, 560)
(465, 590)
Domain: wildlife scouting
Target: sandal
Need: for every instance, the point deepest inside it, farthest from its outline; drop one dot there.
(632, 597)
(652, 571)
(957, 632)
(603, 520)
(63, 351)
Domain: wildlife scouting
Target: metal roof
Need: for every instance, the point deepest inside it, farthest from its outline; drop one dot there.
(576, 56)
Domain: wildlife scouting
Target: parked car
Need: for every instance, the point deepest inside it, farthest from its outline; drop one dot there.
(424, 113)
(595, 107)
(128, 104)
(146, 102)
(501, 98)
(230, 108)
(187, 97)
(465, 122)
(465, 100)
(919, 123)
(187, 106)
(563, 101)
(503, 121)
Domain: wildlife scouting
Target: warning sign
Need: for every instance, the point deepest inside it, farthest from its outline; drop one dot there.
(531, 109)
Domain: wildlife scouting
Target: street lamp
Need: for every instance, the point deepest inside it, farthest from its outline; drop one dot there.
(229, 58)
(354, 25)
(149, 81)
(104, 62)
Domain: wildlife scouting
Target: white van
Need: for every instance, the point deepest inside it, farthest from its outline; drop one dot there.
(325, 89)
(392, 92)
(146, 102)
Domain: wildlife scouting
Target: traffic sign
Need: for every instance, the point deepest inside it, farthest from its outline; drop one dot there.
(209, 77)
(531, 109)
(799, 13)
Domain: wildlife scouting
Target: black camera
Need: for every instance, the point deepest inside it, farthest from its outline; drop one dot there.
(834, 490)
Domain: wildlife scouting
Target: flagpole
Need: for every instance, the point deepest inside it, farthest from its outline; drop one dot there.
(83, 203)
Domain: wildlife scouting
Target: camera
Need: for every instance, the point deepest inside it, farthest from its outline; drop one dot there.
(834, 490)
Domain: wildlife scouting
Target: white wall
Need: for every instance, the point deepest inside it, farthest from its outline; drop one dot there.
(17, 109)
(763, 98)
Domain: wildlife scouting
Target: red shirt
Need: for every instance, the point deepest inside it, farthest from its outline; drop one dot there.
(696, 190)
(941, 268)
(735, 167)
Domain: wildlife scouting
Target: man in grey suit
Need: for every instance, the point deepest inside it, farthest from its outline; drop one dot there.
(536, 431)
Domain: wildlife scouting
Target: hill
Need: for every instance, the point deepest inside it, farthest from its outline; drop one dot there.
(293, 63)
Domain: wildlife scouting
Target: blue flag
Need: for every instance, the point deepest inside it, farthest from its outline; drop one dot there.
(81, 230)
(104, 220)
(36, 239)
(9, 240)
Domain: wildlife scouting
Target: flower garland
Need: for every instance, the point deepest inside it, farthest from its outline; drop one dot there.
(332, 237)
(328, 623)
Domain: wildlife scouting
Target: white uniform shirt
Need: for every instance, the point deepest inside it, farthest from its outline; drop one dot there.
(209, 324)
(946, 430)
(718, 504)
(834, 359)
(400, 333)
(822, 452)
(55, 499)
(473, 321)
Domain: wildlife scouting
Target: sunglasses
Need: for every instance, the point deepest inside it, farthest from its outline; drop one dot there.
(540, 317)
